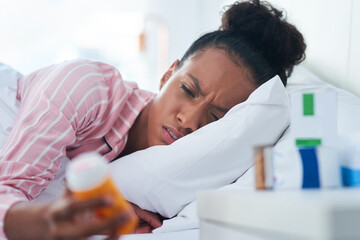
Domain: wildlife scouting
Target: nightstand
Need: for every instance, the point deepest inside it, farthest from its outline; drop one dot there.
(303, 214)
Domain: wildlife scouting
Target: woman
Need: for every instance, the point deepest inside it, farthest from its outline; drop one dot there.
(81, 106)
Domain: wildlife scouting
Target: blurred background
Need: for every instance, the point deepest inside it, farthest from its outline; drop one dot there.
(140, 37)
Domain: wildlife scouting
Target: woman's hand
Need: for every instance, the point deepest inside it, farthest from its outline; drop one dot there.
(65, 218)
(148, 221)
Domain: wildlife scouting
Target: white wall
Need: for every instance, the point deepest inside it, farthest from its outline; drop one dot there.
(186, 21)
(40, 32)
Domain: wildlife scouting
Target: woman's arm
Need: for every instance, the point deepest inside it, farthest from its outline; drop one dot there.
(65, 218)
(56, 102)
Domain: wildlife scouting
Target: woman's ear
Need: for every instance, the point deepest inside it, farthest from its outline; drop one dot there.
(169, 73)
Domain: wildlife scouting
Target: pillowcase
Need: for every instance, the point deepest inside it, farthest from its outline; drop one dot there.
(164, 179)
(188, 217)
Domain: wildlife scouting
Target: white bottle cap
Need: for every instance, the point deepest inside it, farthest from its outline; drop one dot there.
(86, 171)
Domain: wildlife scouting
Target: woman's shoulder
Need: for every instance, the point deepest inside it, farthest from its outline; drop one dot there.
(71, 79)
(86, 66)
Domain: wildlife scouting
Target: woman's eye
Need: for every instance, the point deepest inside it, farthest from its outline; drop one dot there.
(215, 117)
(187, 90)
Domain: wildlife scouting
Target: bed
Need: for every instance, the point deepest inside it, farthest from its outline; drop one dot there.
(181, 208)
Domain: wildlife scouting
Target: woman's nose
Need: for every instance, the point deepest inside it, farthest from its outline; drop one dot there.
(189, 118)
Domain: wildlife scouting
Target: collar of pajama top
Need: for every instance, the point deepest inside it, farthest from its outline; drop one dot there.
(116, 135)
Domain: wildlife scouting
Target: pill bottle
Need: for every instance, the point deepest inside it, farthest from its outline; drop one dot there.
(263, 162)
(87, 177)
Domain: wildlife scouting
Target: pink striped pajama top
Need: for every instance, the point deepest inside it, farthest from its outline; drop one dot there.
(65, 110)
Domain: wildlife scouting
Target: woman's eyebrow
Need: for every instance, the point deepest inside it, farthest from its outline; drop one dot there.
(196, 82)
(197, 85)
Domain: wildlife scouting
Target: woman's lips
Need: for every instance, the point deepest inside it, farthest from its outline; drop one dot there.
(170, 135)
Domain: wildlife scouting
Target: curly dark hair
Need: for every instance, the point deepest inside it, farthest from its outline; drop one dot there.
(255, 34)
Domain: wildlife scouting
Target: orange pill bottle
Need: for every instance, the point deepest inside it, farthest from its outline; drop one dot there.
(88, 176)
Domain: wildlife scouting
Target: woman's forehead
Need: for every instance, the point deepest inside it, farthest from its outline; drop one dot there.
(214, 71)
(216, 63)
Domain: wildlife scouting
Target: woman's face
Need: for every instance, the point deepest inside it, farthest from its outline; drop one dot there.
(198, 93)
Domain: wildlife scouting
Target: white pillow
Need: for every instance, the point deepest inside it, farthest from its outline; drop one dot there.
(8, 104)
(188, 217)
(164, 179)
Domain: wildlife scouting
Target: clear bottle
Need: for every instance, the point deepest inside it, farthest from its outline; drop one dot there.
(88, 176)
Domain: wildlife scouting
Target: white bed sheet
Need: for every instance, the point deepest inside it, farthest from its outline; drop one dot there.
(181, 235)
(192, 234)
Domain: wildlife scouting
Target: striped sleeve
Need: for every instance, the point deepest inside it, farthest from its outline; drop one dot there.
(56, 102)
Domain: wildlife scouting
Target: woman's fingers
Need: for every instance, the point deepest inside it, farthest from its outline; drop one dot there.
(72, 219)
(144, 228)
(66, 208)
(149, 217)
(97, 226)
